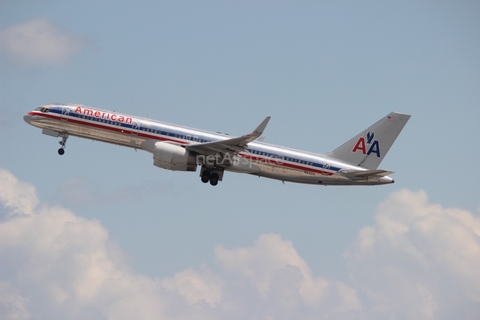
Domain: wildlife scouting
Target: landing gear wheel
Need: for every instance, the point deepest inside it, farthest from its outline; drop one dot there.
(205, 176)
(214, 179)
(61, 151)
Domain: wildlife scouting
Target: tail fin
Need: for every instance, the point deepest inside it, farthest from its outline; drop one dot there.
(370, 146)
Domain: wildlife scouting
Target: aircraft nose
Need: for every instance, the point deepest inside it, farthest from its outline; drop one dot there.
(27, 118)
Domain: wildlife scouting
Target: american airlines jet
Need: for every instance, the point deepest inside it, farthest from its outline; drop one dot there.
(184, 149)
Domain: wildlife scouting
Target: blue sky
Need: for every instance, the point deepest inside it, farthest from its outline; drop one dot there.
(323, 72)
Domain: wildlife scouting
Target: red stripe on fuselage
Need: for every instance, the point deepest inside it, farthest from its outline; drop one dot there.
(284, 164)
(114, 128)
(139, 133)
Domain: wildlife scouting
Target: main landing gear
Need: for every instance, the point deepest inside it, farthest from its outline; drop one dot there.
(61, 151)
(212, 176)
(209, 176)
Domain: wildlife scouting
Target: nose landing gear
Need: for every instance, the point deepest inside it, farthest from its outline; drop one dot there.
(61, 151)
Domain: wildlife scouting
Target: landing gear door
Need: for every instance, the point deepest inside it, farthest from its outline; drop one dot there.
(65, 114)
(134, 133)
(135, 128)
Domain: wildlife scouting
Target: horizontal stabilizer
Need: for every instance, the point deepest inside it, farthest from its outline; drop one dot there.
(354, 175)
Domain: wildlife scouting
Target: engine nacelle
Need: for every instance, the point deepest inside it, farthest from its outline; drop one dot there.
(173, 157)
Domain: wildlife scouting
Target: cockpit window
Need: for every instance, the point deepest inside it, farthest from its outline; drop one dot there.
(42, 109)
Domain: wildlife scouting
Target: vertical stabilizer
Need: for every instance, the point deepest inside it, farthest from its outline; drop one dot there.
(370, 146)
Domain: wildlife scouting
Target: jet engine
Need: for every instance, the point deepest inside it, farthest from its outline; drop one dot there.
(173, 157)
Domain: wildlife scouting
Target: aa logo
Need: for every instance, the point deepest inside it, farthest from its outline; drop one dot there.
(368, 147)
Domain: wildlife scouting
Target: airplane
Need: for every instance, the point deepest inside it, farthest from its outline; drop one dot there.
(181, 148)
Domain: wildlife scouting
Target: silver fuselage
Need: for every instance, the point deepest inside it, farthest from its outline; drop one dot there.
(261, 159)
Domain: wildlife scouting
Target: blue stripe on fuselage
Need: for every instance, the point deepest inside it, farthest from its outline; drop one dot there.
(157, 129)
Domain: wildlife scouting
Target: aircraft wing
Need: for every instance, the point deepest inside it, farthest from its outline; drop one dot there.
(233, 145)
(355, 175)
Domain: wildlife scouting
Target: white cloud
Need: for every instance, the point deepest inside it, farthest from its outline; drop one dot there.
(12, 304)
(281, 284)
(63, 266)
(59, 265)
(274, 268)
(38, 41)
(417, 261)
(196, 287)
(16, 195)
